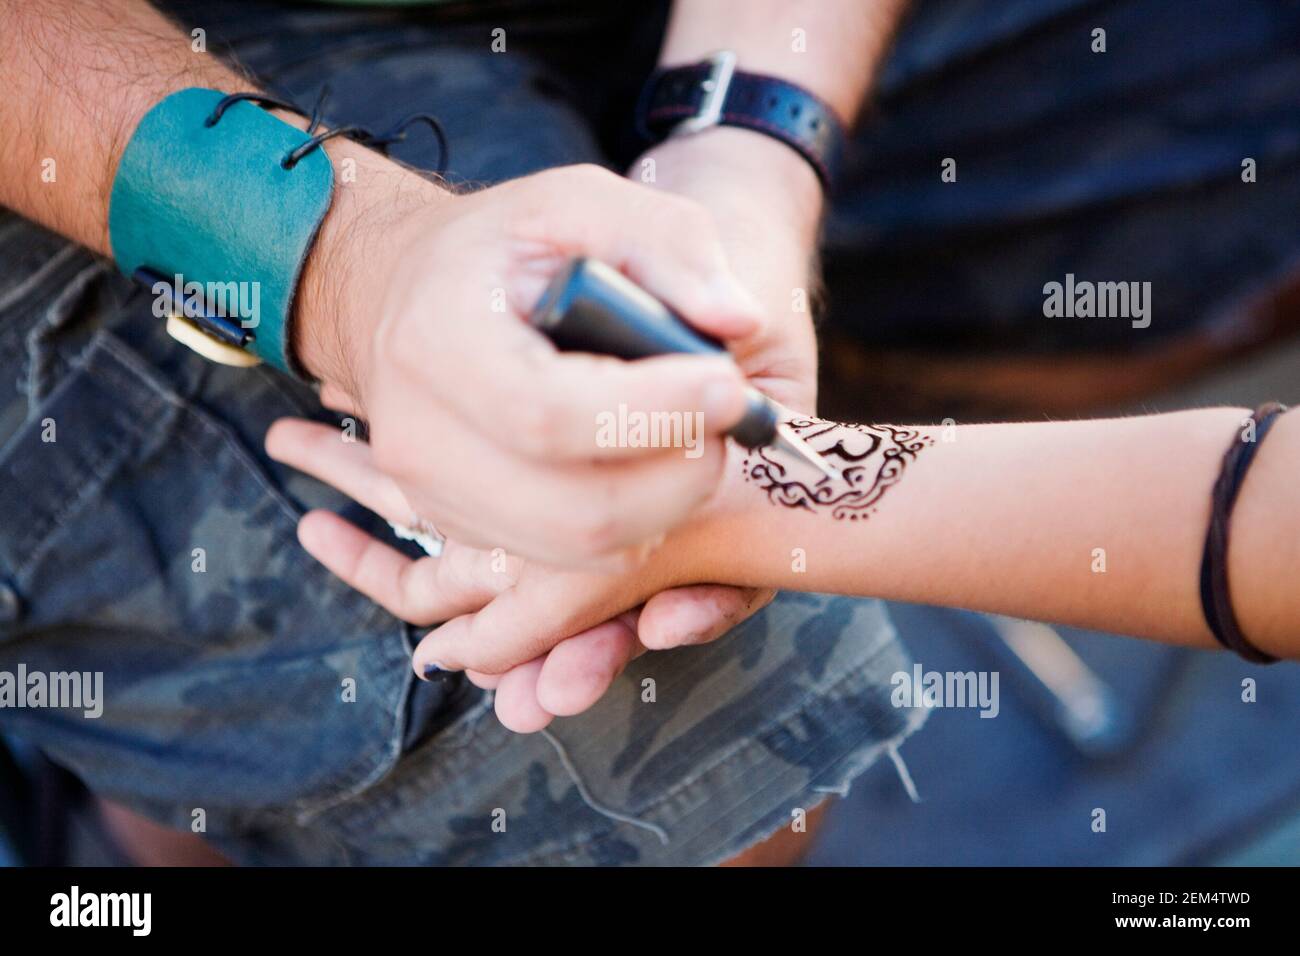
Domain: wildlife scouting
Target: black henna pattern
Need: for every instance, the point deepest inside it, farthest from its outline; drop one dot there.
(871, 459)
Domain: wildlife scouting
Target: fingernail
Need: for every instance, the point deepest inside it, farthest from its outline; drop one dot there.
(430, 670)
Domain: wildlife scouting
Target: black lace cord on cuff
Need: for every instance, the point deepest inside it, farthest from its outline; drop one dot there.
(358, 134)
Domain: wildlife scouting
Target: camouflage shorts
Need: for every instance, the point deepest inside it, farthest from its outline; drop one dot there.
(144, 535)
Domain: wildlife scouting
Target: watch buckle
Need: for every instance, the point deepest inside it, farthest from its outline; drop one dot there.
(722, 67)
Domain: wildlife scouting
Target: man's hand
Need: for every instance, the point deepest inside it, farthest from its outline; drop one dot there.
(417, 311)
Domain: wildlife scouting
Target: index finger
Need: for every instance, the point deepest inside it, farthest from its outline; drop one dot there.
(520, 624)
(551, 405)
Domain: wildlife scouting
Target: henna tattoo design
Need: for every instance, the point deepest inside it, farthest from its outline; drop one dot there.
(872, 459)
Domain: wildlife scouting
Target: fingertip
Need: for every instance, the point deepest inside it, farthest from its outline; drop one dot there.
(313, 527)
(437, 647)
(427, 670)
(652, 635)
(516, 704)
(562, 701)
(578, 671)
(711, 385)
(723, 402)
(426, 653)
(277, 437)
(684, 616)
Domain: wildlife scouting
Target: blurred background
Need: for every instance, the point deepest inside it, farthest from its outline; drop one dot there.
(1127, 165)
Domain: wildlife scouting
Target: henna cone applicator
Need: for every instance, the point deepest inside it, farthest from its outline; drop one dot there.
(590, 307)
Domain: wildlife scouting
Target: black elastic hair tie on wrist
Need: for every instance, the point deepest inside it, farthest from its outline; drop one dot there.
(1216, 599)
(380, 141)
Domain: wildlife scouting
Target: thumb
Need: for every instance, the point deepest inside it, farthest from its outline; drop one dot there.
(668, 245)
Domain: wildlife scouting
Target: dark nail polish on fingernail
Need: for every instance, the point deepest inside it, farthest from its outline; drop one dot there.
(430, 670)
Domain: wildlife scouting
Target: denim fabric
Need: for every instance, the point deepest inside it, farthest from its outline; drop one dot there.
(692, 756)
(152, 541)
(1192, 776)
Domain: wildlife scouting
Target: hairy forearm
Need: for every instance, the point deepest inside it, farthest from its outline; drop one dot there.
(1095, 523)
(82, 75)
(79, 76)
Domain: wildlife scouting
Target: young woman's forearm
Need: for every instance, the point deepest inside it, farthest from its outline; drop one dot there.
(1094, 523)
(1100, 524)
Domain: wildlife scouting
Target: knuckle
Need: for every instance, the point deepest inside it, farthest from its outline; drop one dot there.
(452, 572)
(592, 173)
(576, 178)
(537, 428)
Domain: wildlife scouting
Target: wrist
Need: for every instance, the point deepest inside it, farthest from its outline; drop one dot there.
(350, 263)
(728, 541)
(740, 174)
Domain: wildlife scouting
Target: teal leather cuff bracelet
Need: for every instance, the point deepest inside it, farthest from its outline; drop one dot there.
(203, 199)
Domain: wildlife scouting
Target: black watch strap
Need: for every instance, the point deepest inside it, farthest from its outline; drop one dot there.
(714, 93)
